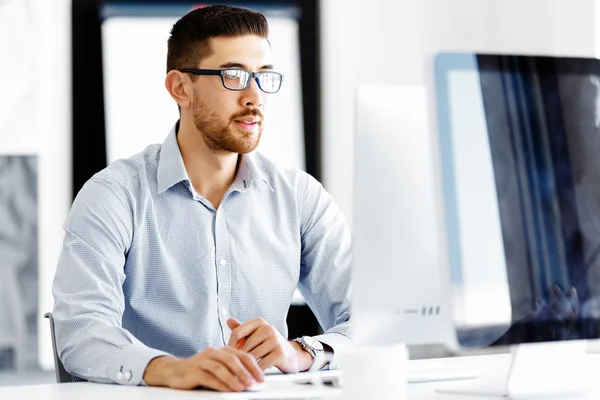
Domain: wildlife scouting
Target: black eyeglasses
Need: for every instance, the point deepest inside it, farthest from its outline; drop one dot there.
(239, 79)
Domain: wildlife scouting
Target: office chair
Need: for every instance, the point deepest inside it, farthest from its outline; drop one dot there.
(62, 376)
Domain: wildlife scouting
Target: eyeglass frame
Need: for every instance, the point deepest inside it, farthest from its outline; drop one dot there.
(219, 72)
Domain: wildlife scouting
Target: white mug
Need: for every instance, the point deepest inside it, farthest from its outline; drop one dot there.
(374, 372)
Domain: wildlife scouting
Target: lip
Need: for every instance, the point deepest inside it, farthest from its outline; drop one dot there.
(252, 127)
(248, 121)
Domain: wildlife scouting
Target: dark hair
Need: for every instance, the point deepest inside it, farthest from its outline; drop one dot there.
(189, 40)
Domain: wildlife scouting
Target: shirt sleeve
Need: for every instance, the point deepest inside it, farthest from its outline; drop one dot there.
(88, 289)
(325, 266)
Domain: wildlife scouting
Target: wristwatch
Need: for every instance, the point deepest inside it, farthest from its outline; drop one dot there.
(315, 349)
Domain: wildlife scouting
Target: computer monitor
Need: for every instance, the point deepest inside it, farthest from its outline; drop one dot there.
(398, 274)
(519, 142)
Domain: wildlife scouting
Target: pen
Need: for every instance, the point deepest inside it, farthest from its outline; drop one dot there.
(240, 343)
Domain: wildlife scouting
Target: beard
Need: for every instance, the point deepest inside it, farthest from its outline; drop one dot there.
(224, 136)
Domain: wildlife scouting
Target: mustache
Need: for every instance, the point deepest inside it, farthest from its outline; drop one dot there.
(248, 113)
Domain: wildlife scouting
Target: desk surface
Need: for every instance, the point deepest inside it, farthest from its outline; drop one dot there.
(423, 391)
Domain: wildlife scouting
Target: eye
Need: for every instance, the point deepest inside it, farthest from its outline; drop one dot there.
(233, 73)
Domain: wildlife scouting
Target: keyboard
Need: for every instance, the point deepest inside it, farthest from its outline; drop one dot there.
(440, 370)
(415, 375)
(441, 374)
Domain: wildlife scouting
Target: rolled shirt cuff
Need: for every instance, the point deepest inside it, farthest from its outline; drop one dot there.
(338, 342)
(130, 365)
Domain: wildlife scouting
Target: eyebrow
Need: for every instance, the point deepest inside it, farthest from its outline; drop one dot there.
(242, 66)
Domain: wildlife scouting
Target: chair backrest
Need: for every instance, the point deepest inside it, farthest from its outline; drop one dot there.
(62, 376)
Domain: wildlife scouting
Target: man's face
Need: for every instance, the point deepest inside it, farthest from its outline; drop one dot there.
(231, 121)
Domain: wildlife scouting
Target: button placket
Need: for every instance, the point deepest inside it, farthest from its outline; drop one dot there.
(223, 266)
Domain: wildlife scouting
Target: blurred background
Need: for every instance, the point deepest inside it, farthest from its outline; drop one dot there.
(65, 113)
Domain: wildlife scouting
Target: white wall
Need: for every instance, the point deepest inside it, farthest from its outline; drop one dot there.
(359, 38)
(54, 127)
(35, 112)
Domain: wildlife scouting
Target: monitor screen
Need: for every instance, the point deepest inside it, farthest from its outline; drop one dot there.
(520, 164)
(134, 50)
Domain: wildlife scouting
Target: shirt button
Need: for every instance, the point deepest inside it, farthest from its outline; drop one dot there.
(128, 375)
(223, 311)
(119, 375)
(223, 262)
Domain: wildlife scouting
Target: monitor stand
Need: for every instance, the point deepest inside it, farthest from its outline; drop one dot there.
(537, 369)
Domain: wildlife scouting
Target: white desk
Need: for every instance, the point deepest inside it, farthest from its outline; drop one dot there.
(422, 391)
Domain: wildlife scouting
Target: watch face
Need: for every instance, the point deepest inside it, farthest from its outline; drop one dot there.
(315, 344)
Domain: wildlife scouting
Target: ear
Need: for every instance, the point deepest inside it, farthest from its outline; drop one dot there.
(177, 84)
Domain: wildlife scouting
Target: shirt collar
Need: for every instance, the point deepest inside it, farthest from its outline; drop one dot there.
(171, 169)
(248, 172)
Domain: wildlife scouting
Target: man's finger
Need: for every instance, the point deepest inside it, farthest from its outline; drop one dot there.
(221, 372)
(259, 336)
(233, 363)
(206, 379)
(244, 330)
(264, 349)
(233, 323)
(555, 292)
(249, 362)
(272, 360)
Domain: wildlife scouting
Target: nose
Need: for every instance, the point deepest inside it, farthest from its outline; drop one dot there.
(252, 96)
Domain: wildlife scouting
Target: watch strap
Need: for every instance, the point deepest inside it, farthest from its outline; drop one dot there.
(317, 354)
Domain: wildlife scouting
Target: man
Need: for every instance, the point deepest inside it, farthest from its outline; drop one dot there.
(179, 263)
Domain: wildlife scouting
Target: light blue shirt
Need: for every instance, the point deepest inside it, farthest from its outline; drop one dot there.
(149, 267)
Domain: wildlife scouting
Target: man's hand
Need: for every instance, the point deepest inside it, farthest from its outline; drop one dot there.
(267, 346)
(224, 369)
(563, 307)
(550, 321)
(555, 319)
